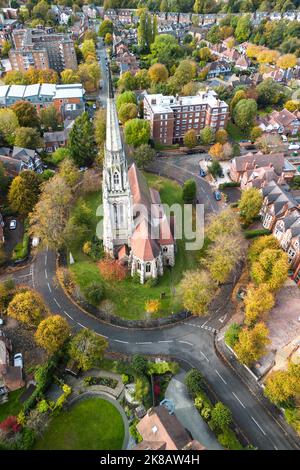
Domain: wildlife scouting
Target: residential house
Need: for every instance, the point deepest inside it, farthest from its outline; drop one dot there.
(243, 63)
(230, 55)
(11, 378)
(243, 168)
(281, 122)
(57, 139)
(219, 67)
(161, 430)
(278, 203)
(19, 159)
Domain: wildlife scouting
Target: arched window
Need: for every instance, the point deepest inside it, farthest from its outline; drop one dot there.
(139, 265)
(116, 178)
(165, 249)
(148, 268)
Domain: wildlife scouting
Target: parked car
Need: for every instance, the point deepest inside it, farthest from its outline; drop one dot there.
(202, 173)
(294, 146)
(13, 224)
(284, 138)
(18, 360)
(1, 322)
(94, 106)
(217, 195)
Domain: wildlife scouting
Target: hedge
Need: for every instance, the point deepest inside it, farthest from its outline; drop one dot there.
(256, 233)
(21, 249)
(230, 184)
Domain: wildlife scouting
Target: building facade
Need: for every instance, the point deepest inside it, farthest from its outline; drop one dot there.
(171, 117)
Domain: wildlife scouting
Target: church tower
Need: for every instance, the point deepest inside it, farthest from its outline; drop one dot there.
(117, 210)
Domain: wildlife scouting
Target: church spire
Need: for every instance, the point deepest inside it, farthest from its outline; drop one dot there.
(113, 134)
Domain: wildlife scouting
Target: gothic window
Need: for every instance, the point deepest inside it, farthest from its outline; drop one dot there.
(116, 178)
(148, 268)
(165, 249)
(139, 265)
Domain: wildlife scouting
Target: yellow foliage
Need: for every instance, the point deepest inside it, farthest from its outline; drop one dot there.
(152, 306)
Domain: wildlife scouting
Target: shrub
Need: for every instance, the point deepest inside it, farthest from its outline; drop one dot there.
(136, 278)
(256, 233)
(112, 270)
(139, 364)
(159, 368)
(230, 184)
(43, 406)
(232, 334)
(94, 292)
(125, 379)
(151, 282)
(229, 440)
(141, 389)
(134, 432)
(10, 425)
(221, 417)
(21, 249)
(194, 381)
(152, 306)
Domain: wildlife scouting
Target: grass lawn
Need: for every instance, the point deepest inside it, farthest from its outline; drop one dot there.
(235, 133)
(12, 406)
(128, 297)
(92, 424)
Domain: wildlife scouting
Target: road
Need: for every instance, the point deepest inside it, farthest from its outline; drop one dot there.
(191, 341)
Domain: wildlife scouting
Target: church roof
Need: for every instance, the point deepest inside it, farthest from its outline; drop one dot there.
(139, 187)
(142, 245)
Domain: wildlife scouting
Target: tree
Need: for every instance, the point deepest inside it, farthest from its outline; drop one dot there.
(112, 270)
(10, 425)
(190, 89)
(243, 28)
(88, 49)
(267, 56)
(50, 214)
(190, 139)
(194, 381)
(69, 76)
(100, 126)
(8, 124)
(158, 73)
(166, 50)
(207, 136)
(49, 118)
(185, 71)
(251, 345)
(287, 61)
(127, 81)
(127, 111)
(24, 192)
(204, 54)
(292, 106)
(105, 27)
(124, 98)
(6, 46)
(81, 141)
(244, 113)
(271, 268)
(232, 334)
(14, 77)
(152, 306)
(258, 302)
(142, 79)
(270, 92)
(197, 290)
(137, 132)
(221, 417)
(221, 136)
(260, 244)
(94, 292)
(283, 385)
(143, 155)
(216, 151)
(250, 204)
(189, 191)
(225, 222)
(108, 39)
(215, 169)
(87, 349)
(139, 364)
(222, 256)
(40, 10)
(256, 132)
(238, 96)
(27, 307)
(28, 137)
(69, 172)
(268, 142)
(89, 74)
(227, 151)
(52, 333)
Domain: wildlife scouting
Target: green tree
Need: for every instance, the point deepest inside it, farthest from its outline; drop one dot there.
(207, 136)
(185, 71)
(243, 28)
(158, 73)
(251, 345)
(197, 290)
(27, 307)
(142, 79)
(137, 132)
(143, 155)
(59, 155)
(8, 124)
(250, 204)
(139, 364)
(221, 417)
(105, 27)
(232, 334)
(238, 96)
(26, 114)
(24, 192)
(40, 10)
(127, 81)
(194, 381)
(189, 191)
(190, 139)
(49, 118)
(28, 137)
(87, 349)
(215, 169)
(166, 50)
(81, 141)
(94, 292)
(100, 126)
(270, 92)
(52, 333)
(244, 113)
(124, 98)
(127, 111)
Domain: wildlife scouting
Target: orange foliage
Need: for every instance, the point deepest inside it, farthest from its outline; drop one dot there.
(112, 270)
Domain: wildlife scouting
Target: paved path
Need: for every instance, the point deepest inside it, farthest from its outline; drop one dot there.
(187, 414)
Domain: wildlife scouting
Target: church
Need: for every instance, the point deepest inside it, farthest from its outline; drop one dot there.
(136, 230)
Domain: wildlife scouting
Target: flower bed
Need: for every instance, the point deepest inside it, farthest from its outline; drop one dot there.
(104, 381)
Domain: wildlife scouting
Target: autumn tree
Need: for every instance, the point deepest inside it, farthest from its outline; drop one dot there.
(24, 192)
(185, 71)
(137, 132)
(14, 77)
(258, 302)
(69, 76)
(207, 136)
(250, 204)
(271, 268)
(88, 49)
(152, 306)
(49, 118)
(260, 244)
(69, 172)
(87, 349)
(190, 89)
(143, 155)
(26, 114)
(27, 307)
(127, 111)
(221, 136)
(267, 56)
(81, 141)
(197, 290)
(158, 73)
(292, 106)
(127, 81)
(8, 124)
(283, 385)
(90, 74)
(142, 79)
(112, 270)
(105, 27)
(256, 132)
(238, 96)
(28, 137)
(252, 343)
(52, 333)
(243, 28)
(216, 151)
(190, 139)
(225, 222)
(222, 257)
(287, 61)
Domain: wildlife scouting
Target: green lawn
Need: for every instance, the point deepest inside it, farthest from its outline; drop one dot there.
(128, 297)
(92, 424)
(235, 133)
(12, 406)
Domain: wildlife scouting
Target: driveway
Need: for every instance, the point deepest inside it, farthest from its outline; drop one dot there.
(187, 414)
(12, 237)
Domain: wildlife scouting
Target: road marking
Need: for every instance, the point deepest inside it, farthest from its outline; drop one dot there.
(49, 287)
(166, 341)
(99, 334)
(185, 342)
(82, 326)
(46, 259)
(68, 315)
(258, 425)
(238, 400)
(222, 319)
(205, 357)
(57, 303)
(205, 327)
(221, 377)
(145, 342)
(24, 275)
(276, 448)
(46, 274)
(119, 341)
(202, 326)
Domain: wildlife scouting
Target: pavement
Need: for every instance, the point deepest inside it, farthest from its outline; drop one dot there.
(188, 415)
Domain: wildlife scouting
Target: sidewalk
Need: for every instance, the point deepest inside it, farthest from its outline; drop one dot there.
(253, 385)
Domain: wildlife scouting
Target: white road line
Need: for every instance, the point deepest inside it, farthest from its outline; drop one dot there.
(205, 357)
(119, 341)
(57, 303)
(49, 287)
(46, 274)
(204, 324)
(166, 341)
(259, 427)
(66, 313)
(238, 400)
(24, 275)
(46, 259)
(145, 342)
(185, 342)
(221, 377)
(82, 326)
(99, 334)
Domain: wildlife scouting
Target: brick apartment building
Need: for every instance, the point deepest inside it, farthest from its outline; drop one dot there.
(171, 117)
(42, 49)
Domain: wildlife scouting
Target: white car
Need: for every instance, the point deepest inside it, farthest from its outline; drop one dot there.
(1, 322)
(18, 360)
(284, 138)
(294, 146)
(13, 224)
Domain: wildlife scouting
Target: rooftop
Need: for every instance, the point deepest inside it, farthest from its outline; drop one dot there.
(165, 104)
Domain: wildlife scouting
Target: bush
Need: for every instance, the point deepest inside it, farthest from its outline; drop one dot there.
(194, 381)
(159, 368)
(256, 233)
(141, 389)
(125, 379)
(232, 334)
(139, 364)
(221, 417)
(94, 292)
(134, 432)
(229, 184)
(112, 270)
(21, 249)
(229, 440)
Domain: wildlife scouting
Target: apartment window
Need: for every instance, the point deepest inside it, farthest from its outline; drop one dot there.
(185, 108)
(196, 120)
(184, 115)
(203, 107)
(197, 114)
(191, 108)
(215, 111)
(197, 108)
(224, 110)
